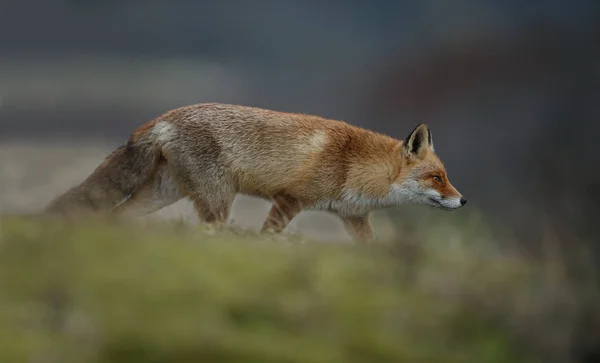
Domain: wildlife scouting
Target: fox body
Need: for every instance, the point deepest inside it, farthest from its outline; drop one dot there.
(211, 152)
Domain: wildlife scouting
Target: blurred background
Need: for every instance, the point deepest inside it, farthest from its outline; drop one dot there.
(510, 90)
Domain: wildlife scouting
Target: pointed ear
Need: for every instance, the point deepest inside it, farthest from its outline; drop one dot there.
(419, 142)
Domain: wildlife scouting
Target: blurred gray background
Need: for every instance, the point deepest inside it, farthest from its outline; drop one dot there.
(510, 89)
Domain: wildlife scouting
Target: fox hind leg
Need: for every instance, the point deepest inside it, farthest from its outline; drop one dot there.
(205, 183)
(212, 201)
(214, 213)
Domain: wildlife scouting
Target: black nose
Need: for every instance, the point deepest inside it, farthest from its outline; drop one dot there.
(463, 201)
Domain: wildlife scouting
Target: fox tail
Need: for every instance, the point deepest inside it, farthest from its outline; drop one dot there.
(113, 182)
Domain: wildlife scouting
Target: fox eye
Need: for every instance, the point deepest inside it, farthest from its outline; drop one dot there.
(437, 178)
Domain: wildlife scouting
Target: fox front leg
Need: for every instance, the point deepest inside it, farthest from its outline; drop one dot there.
(359, 228)
(284, 209)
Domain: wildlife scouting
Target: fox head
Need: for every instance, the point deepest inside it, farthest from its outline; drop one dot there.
(423, 178)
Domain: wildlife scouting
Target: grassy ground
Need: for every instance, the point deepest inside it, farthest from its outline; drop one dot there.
(147, 292)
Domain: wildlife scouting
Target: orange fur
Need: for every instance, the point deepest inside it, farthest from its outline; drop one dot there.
(211, 152)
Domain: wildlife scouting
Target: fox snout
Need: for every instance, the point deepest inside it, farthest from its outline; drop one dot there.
(438, 200)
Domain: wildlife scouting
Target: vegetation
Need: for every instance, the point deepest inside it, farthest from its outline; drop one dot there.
(149, 292)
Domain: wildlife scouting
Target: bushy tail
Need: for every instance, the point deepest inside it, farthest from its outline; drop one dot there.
(122, 173)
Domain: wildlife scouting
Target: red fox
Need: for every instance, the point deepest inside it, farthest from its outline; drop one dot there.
(211, 152)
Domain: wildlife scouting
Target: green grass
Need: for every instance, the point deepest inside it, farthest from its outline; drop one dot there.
(111, 292)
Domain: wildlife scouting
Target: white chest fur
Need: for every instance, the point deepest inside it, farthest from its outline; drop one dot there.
(356, 204)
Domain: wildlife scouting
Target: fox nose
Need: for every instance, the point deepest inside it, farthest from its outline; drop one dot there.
(463, 201)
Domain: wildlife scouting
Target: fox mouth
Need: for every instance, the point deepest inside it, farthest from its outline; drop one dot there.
(436, 203)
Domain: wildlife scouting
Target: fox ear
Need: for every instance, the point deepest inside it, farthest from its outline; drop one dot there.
(419, 142)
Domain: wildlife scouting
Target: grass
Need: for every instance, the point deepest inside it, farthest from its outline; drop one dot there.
(116, 292)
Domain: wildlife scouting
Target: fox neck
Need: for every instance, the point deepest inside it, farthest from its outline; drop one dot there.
(397, 195)
(354, 202)
(370, 186)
